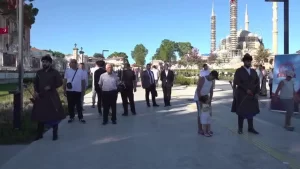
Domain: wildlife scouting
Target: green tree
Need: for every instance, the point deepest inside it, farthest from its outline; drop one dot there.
(183, 48)
(139, 54)
(262, 55)
(166, 51)
(8, 7)
(56, 53)
(98, 55)
(119, 54)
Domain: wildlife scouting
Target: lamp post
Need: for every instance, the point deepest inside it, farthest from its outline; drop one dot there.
(20, 51)
(81, 52)
(286, 23)
(104, 51)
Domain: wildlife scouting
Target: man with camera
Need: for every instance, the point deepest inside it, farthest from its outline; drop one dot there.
(74, 86)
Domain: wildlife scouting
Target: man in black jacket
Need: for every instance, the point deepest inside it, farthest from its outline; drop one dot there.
(167, 79)
(97, 74)
(127, 76)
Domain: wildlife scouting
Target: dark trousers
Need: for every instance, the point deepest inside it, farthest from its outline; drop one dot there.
(167, 95)
(109, 101)
(99, 102)
(41, 128)
(241, 122)
(126, 95)
(270, 86)
(151, 89)
(74, 100)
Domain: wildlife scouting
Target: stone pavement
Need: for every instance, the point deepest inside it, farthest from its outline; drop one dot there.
(159, 138)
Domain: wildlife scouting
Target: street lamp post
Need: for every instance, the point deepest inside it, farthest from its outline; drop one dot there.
(81, 52)
(104, 51)
(286, 23)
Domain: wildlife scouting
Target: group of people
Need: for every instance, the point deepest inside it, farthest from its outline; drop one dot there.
(48, 109)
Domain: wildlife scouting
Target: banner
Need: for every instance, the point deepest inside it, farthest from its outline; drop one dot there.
(282, 63)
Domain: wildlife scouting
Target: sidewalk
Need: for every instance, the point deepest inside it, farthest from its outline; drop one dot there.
(157, 138)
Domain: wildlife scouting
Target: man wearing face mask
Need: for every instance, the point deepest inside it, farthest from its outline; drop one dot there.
(246, 87)
(47, 107)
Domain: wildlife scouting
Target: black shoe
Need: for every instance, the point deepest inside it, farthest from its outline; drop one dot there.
(253, 131)
(55, 137)
(148, 105)
(82, 120)
(240, 131)
(38, 137)
(93, 106)
(104, 123)
(70, 120)
(125, 114)
(114, 122)
(100, 113)
(134, 113)
(155, 105)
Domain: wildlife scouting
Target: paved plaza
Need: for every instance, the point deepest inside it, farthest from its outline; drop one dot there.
(166, 138)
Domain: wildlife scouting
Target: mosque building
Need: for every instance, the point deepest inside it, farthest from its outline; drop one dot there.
(242, 41)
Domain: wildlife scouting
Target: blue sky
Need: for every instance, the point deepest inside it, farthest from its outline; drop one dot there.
(118, 25)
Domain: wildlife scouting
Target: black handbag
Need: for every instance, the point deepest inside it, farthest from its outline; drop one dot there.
(121, 85)
(69, 84)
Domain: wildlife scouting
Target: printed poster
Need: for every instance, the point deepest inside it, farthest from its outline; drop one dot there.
(282, 63)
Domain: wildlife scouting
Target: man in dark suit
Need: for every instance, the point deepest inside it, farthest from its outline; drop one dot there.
(97, 74)
(127, 76)
(167, 79)
(148, 83)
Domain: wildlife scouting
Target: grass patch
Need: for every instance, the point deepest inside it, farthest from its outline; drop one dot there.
(28, 128)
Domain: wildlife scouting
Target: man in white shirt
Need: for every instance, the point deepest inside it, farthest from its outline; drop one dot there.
(205, 71)
(94, 93)
(86, 77)
(74, 86)
(156, 74)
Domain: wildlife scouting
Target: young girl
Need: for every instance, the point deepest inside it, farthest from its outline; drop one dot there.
(205, 116)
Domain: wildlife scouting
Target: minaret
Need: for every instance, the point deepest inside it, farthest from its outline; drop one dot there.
(246, 19)
(213, 30)
(75, 52)
(233, 24)
(275, 28)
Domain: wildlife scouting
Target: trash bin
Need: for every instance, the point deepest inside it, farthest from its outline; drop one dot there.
(16, 109)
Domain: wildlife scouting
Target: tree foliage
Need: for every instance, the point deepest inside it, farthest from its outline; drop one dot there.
(168, 49)
(262, 55)
(212, 58)
(118, 54)
(8, 7)
(139, 54)
(56, 53)
(98, 55)
(183, 48)
(192, 58)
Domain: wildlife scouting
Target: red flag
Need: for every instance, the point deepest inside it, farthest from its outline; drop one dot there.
(232, 1)
(3, 31)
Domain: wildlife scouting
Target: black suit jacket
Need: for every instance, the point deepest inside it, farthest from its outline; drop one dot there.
(167, 80)
(97, 75)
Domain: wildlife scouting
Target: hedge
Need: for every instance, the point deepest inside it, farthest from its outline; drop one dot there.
(190, 76)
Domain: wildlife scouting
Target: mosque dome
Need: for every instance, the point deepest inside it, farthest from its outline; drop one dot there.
(243, 33)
